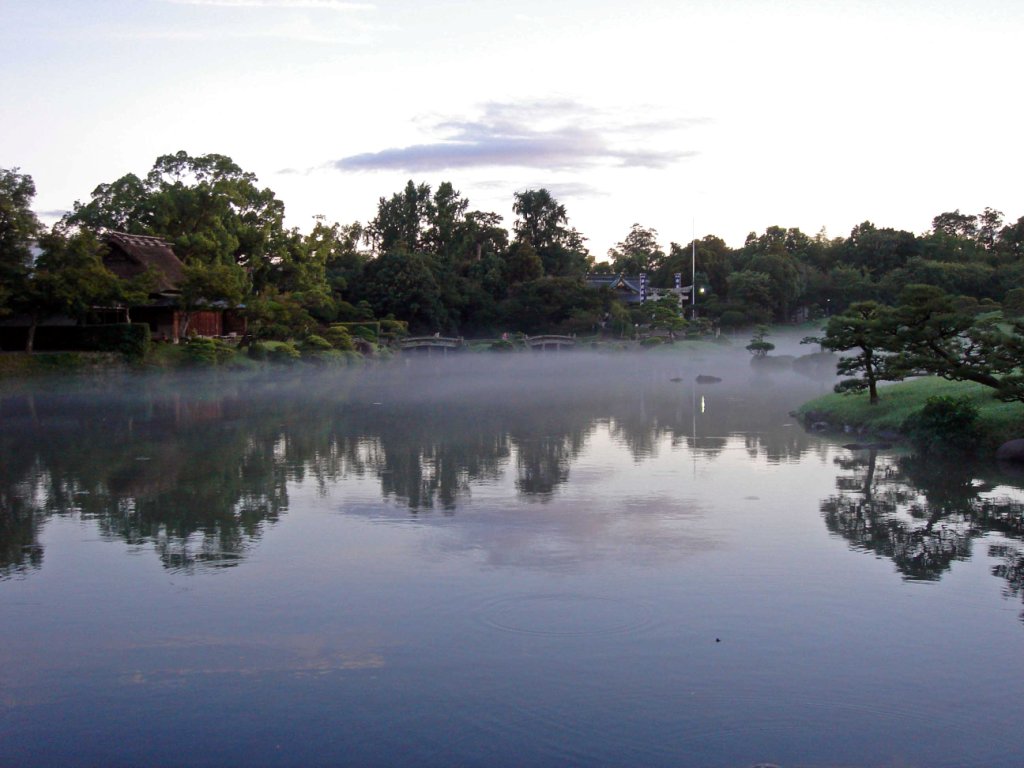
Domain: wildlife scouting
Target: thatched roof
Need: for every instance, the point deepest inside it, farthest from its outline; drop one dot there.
(131, 255)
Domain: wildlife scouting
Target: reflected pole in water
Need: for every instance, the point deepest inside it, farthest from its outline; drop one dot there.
(693, 426)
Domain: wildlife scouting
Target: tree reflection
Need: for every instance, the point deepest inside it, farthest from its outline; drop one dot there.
(160, 469)
(924, 515)
(1010, 568)
(196, 468)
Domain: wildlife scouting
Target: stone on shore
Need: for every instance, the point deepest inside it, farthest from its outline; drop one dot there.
(1012, 450)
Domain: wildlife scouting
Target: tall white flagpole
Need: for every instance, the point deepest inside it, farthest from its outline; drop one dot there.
(693, 263)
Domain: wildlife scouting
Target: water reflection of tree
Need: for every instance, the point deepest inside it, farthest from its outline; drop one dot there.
(1010, 568)
(197, 469)
(924, 515)
(543, 461)
(20, 515)
(428, 459)
(161, 470)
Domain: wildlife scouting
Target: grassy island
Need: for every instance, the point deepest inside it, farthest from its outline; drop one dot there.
(997, 421)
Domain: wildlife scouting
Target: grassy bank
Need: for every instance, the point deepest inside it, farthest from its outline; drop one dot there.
(173, 357)
(20, 364)
(998, 421)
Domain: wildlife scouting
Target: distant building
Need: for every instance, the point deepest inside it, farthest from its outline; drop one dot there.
(130, 256)
(626, 288)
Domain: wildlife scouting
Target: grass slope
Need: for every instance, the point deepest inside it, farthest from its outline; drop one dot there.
(997, 420)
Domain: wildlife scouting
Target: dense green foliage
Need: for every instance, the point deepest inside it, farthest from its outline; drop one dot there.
(203, 352)
(130, 339)
(928, 332)
(866, 327)
(430, 261)
(944, 424)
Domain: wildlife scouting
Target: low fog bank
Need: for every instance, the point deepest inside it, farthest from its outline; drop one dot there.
(575, 373)
(791, 375)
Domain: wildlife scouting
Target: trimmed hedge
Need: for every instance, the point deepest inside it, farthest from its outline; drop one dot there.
(283, 353)
(130, 339)
(205, 351)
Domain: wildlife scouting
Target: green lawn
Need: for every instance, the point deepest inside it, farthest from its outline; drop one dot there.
(998, 421)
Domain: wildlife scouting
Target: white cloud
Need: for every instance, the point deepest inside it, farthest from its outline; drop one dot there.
(553, 135)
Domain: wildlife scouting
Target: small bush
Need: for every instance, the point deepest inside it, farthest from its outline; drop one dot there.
(944, 424)
(314, 343)
(258, 350)
(363, 332)
(758, 347)
(284, 353)
(339, 338)
(394, 328)
(1013, 303)
(200, 352)
(651, 341)
(502, 345)
(204, 351)
(849, 387)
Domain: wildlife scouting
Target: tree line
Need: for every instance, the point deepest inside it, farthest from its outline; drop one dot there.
(428, 259)
(928, 332)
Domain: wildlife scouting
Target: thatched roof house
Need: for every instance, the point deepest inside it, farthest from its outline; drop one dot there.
(131, 255)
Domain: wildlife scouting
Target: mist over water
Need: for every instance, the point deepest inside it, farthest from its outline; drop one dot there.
(583, 557)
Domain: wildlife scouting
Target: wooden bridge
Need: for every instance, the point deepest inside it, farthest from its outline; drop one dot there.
(550, 341)
(430, 344)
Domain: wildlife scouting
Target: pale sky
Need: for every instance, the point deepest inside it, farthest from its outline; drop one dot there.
(687, 116)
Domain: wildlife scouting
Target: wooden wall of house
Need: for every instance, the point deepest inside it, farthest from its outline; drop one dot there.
(202, 323)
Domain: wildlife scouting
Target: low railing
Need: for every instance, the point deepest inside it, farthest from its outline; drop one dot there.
(550, 341)
(431, 342)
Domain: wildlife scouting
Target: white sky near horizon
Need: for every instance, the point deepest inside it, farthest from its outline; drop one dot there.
(687, 117)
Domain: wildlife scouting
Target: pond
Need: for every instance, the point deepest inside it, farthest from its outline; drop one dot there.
(495, 560)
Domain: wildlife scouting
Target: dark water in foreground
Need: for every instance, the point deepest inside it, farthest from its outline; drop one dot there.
(485, 563)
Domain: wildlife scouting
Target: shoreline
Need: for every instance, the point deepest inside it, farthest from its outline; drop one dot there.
(997, 422)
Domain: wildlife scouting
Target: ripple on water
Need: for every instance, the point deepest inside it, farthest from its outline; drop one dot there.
(566, 615)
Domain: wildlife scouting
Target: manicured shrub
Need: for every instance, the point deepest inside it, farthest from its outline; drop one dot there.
(365, 333)
(284, 353)
(258, 350)
(206, 351)
(314, 343)
(200, 351)
(945, 424)
(1013, 303)
(758, 347)
(395, 329)
(339, 338)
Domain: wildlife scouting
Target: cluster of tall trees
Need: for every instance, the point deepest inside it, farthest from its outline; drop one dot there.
(429, 259)
(785, 274)
(927, 332)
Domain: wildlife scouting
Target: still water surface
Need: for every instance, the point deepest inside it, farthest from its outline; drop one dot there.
(493, 562)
